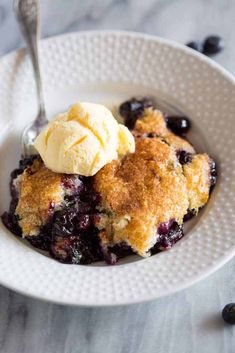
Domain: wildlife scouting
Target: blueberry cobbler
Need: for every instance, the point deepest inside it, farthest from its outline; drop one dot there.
(111, 202)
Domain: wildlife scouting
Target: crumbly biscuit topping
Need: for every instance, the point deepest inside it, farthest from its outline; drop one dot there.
(40, 189)
(150, 187)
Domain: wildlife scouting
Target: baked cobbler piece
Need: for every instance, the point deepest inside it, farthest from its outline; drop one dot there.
(135, 204)
(153, 189)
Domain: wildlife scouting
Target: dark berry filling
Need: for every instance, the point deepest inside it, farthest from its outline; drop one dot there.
(69, 235)
(10, 221)
(23, 164)
(43, 239)
(189, 215)
(82, 249)
(184, 157)
(168, 234)
(180, 125)
(133, 109)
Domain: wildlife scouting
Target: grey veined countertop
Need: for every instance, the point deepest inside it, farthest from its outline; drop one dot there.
(188, 321)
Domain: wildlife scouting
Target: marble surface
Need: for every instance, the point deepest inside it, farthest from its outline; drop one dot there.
(188, 321)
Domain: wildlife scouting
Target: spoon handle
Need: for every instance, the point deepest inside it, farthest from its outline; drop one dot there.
(28, 16)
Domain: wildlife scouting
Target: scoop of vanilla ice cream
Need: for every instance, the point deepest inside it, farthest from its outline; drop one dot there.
(82, 140)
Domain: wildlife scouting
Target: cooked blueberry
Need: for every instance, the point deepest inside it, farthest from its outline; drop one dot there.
(196, 45)
(76, 250)
(228, 313)
(27, 161)
(82, 222)
(166, 239)
(213, 173)
(63, 224)
(133, 109)
(180, 125)
(73, 184)
(42, 240)
(165, 227)
(71, 200)
(66, 250)
(83, 207)
(109, 257)
(184, 157)
(93, 197)
(122, 250)
(189, 215)
(23, 164)
(151, 134)
(175, 233)
(213, 45)
(11, 222)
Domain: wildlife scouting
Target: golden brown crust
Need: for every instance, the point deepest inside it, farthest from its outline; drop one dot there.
(198, 181)
(39, 188)
(153, 122)
(149, 186)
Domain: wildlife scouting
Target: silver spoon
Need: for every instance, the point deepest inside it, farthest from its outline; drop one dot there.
(27, 14)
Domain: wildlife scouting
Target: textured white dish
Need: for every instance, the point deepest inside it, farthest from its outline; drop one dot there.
(109, 67)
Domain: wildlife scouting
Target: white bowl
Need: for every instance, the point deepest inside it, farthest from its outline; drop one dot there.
(109, 67)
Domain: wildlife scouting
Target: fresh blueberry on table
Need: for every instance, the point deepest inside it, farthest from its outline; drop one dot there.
(213, 45)
(196, 45)
(228, 313)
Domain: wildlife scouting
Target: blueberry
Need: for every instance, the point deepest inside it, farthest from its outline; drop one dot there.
(196, 45)
(180, 125)
(71, 200)
(189, 215)
(10, 221)
(109, 257)
(151, 135)
(82, 222)
(66, 250)
(43, 239)
(213, 45)
(133, 109)
(168, 235)
(94, 198)
(175, 233)
(27, 161)
(213, 173)
(122, 250)
(228, 313)
(63, 224)
(184, 157)
(73, 184)
(23, 164)
(165, 227)
(76, 250)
